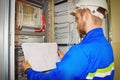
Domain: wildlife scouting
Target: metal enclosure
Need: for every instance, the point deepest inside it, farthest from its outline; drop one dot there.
(4, 42)
(24, 36)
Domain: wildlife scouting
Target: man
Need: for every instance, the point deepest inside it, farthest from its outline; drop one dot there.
(91, 59)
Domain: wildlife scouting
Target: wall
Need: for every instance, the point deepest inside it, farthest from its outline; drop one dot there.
(115, 24)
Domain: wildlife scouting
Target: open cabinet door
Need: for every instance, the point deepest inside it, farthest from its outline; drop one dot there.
(4, 31)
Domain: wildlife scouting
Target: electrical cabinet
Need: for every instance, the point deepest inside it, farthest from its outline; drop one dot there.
(40, 21)
(64, 25)
(30, 23)
(28, 19)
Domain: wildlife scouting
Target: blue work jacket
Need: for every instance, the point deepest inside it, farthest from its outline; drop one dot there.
(91, 59)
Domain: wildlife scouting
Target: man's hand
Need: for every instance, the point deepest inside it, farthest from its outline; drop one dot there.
(25, 65)
(60, 53)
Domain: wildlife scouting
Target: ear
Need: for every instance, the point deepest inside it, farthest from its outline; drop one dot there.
(86, 15)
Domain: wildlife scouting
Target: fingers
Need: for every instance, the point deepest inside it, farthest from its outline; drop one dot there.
(26, 61)
(60, 53)
(25, 65)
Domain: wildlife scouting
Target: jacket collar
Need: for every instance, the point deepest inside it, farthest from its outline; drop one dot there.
(94, 33)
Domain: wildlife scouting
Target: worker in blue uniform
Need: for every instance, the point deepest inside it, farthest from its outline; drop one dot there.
(90, 59)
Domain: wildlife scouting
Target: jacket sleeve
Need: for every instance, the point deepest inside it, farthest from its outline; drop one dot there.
(71, 67)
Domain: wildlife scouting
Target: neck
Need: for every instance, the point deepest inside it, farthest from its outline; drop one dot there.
(94, 23)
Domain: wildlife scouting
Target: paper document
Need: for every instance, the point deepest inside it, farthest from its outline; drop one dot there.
(41, 56)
